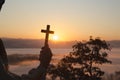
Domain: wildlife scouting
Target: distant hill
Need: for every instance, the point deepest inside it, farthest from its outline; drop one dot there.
(34, 43)
(114, 43)
(22, 43)
(38, 43)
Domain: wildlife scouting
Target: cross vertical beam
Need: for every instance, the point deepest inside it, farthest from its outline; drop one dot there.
(47, 31)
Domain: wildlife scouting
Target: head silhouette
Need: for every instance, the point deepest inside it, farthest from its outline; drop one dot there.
(1, 3)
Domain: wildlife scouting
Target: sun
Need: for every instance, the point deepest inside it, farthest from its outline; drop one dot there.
(55, 37)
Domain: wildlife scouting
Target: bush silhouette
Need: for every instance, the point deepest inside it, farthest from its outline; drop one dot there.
(82, 63)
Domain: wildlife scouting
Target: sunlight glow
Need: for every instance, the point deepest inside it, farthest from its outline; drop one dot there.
(55, 37)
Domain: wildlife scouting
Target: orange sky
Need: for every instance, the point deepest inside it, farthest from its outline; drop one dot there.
(70, 19)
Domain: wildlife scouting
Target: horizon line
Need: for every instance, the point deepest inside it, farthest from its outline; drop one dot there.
(53, 40)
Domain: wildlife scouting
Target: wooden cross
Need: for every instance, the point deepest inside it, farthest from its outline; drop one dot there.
(47, 31)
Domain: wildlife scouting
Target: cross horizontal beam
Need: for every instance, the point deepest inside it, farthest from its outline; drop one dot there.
(47, 31)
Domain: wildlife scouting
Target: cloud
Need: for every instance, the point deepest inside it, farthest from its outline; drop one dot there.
(14, 59)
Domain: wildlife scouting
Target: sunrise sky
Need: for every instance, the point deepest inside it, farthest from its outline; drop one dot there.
(70, 19)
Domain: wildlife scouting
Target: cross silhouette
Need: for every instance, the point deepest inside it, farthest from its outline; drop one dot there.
(47, 31)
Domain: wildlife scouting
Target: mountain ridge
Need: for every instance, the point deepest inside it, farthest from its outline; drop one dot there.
(38, 43)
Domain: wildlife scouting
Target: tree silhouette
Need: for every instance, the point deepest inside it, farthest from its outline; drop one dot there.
(83, 62)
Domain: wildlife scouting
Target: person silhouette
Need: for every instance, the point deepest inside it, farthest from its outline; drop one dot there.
(45, 56)
(38, 73)
(1, 3)
(3, 54)
(3, 58)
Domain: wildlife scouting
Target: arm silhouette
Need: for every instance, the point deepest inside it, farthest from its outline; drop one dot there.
(39, 73)
(45, 56)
